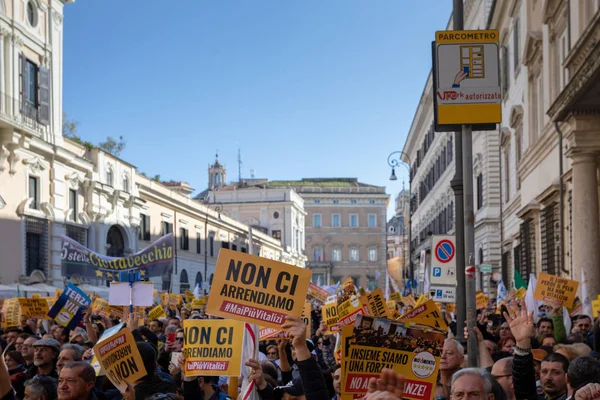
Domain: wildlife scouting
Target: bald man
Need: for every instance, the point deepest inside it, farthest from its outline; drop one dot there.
(502, 371)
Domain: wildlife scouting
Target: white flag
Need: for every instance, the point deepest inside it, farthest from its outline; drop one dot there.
(532, 304)
(501, 296)
(427, 284)
(197, 294)
(387, 285)
(585, 298)
(249, 350)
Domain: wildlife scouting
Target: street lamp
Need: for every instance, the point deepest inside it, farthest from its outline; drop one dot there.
(394, 160)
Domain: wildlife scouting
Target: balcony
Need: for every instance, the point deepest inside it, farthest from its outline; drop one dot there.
(26, 119)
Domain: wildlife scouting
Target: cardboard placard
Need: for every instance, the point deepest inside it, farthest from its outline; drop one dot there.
(257, 290)
(426, 314)
(35, 295)
(409, 301)
(307, 317)
(11, 313)
(157, 312)
(451, 307)
(375, 344)
(555, 289)
(213, 347)
(120, 358)
(34, 308)
(595, 308)
(395, 296)
(481, 300)
(122, 294)
(117, 311)
(175, 299)
(100, 306)
(377, 306)
(189, 296)
(68, 310)
(164, 299)
(197, 304)
(330, 317)
(520, 293)
(317, 293)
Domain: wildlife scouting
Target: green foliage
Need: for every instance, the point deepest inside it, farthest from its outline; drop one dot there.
(112, 146)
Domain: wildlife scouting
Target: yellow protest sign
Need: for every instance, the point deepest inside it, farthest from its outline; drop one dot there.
(197, 304)
(307, 317)
(164, 298)
(120, 359)
(481, 300)
(520, 293)
(257, 290)
(376, 344)
(391, 304)
(330, 317)
(552, 288)
(157, 312)
(175, 299)
(117, 311)
(421, 300)
(317, 293)
(451, 307)
(377, 306)
(212, 347)
(409, 301)
(154, 293)
(12, 313)
(100, 306)
(189, 296)
(426, 314)
(595, 307)
(35, 295)
(395, 296)
(34, 308)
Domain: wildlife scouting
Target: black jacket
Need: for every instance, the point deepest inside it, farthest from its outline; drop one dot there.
(312, 380)
(523, 374)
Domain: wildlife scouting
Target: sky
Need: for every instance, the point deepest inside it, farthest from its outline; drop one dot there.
(304, 88)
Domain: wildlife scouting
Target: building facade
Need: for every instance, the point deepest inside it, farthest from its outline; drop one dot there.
(397, 239)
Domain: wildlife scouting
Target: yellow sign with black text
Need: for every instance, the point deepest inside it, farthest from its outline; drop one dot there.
(554, 289)
(257, 290)
(34, 308)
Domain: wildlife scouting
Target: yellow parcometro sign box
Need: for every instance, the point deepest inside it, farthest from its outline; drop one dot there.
(467, 77)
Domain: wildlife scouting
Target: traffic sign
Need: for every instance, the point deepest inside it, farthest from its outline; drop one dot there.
(485, 268)
(467, 77)
(443, 261)
(444, 251)
(443, 294)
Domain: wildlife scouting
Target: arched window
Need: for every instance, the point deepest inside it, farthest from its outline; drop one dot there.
(110, 176)
(115, 242)
(199, 278)
(184, 284)
(480, 256)
(125, 182)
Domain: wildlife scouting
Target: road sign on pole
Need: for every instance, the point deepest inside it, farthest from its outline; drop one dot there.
(443, 262)
(467, 78)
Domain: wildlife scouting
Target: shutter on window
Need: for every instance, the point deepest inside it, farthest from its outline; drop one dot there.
(22, 81)
(44, 95)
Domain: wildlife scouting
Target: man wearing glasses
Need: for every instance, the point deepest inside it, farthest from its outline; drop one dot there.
(502, 371)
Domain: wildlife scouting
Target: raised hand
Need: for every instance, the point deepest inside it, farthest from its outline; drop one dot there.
(389, 386)
(521, 324)
(257, 374)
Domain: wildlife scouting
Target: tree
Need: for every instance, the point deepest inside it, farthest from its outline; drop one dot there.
(112, 146)
(70, 127)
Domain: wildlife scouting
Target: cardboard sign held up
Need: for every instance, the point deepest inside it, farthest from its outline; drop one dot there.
(11, 313)
(119, 294)
(330, 317)
(257, 290)
(156, 312)
(555, 289)
(317, 293)
(34, 308)
(68, 309)
(120, 358)
(213, 347)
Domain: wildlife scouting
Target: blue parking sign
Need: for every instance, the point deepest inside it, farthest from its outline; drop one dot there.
(437, 271)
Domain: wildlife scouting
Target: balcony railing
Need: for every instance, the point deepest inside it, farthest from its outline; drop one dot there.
(27, 118)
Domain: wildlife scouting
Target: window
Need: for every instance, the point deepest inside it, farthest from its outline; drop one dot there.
(144, 233)
(353, 220)
(318, 279)
(73, 204)
(372, 220)
(166, 228)
(31, 14)
(505, 70)
(110, 178)
(212, 245)
(317, 254)
(354, 254)
(34, 192)
(198, 243)
(316, 220)
(371, 201)
(317, 201)
(336, 254)
(335, 220)
(234, 247)
(372, 284)
(184, 239)
(564, 50)
(352, 201)
(184, 283)
(479, 191)
(540, 104)
(31, 84)
(277, 234)
(372, 253)
(516, 45)
(36, 245)
(34, 90)
(336, 202)
(125, 183)
(506, 176)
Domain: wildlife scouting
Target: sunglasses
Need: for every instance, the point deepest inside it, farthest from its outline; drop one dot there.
(179, 339)
(272, 353)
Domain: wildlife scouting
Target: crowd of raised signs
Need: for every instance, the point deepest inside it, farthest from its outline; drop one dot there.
(338, 344)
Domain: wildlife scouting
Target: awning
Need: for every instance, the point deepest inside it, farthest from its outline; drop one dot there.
(45, 288)
(7, 291)
(22, 290)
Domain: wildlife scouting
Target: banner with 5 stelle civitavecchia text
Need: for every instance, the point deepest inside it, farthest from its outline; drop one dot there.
(79, 261)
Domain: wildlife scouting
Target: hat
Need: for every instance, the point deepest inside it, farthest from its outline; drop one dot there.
(538, 354)
(52, 343)
(293, 388)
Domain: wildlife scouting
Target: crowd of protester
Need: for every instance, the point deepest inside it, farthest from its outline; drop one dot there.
(519, 358)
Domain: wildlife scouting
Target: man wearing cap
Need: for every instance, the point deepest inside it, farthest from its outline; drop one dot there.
(44, 357)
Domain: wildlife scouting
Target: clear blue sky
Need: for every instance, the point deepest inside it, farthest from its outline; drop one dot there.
(305, 88)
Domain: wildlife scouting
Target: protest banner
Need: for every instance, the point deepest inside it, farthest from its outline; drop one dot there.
(520, 293)
(330, 317)
(307, 317)
(576, 308)
(421, 300)
(212, 347)
(375, 345)
(257, 290)
(34, 308)
(35, 295)
(164, 299)
(317, 293)
(189, 296)
(426, 314)
(350, 305)
(68, 310)
(481, 300)
(390, 304)
(197, 304)
(120, 358)
(100, 306)
(595, 308)
(11, 313)
(175, 299)
(157, 312)
(265, 333)
(551, 288)
(409, 301)
(117, 311)
(395, 296)
(377, 306)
